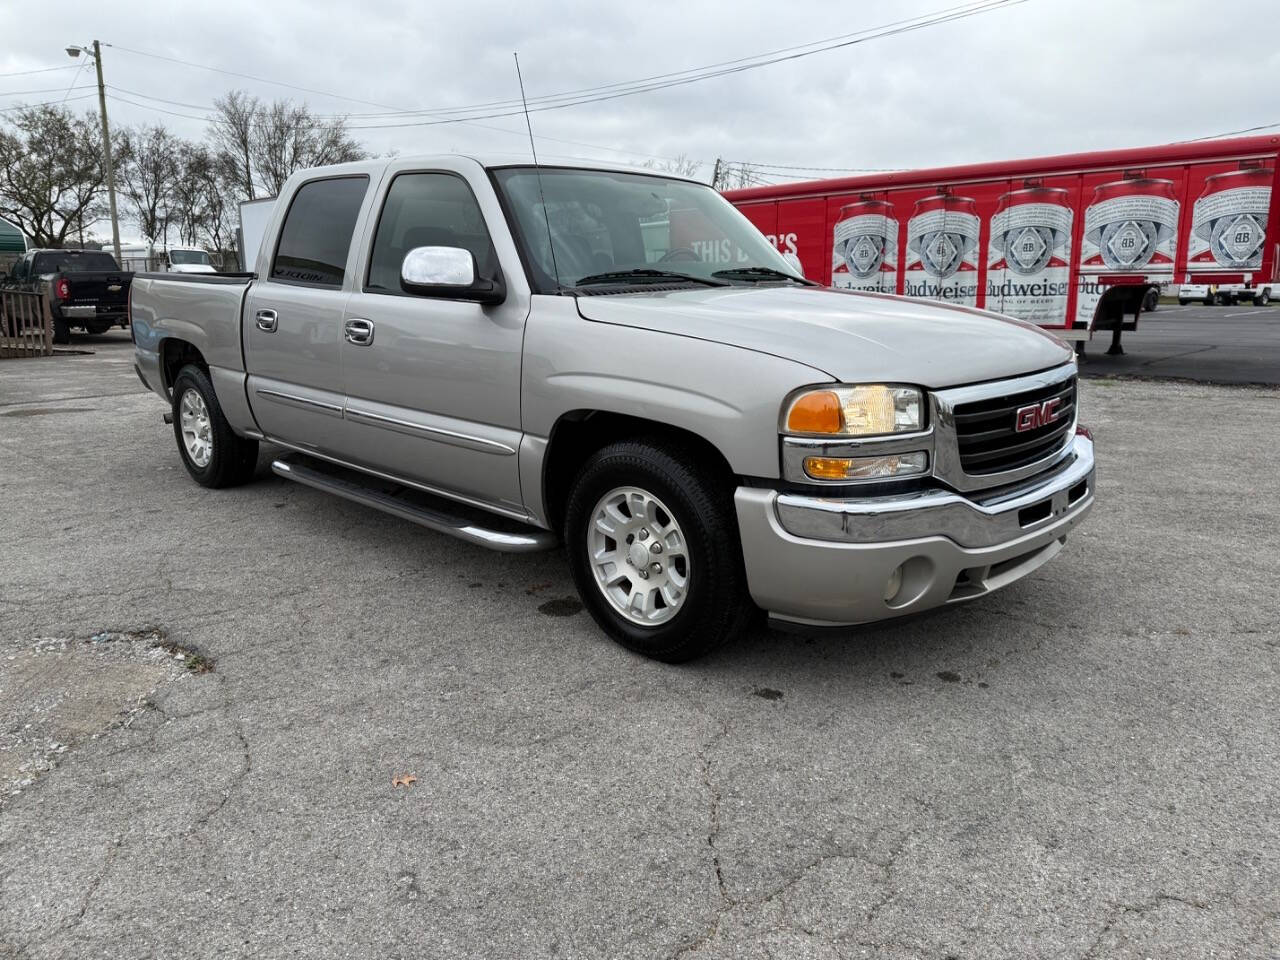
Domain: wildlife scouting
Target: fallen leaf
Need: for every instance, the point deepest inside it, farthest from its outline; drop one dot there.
(403, 780)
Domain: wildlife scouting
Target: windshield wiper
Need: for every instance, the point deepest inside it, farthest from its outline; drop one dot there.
(759, 273)
(643, 275)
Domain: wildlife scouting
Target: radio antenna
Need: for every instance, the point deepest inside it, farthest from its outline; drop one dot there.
(546, 217)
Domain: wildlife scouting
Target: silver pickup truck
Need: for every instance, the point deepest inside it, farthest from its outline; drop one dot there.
(521, 356)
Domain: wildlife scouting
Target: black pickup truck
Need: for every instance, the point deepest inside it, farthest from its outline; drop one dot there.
(86, 288)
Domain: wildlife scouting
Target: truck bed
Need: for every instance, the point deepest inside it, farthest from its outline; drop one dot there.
(202, 309)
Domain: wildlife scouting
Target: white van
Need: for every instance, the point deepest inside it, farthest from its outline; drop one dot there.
(144, 258)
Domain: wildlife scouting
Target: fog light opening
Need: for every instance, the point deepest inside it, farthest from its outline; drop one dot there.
(893, 586)
(908, 582)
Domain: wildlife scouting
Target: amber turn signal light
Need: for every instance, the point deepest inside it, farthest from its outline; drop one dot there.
(817, 412)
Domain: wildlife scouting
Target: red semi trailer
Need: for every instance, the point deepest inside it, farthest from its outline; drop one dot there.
(1072, 243)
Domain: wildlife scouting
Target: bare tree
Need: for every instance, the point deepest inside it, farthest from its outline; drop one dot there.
(288, 138)
(189, 206)
(231, 138)
(51, 173)
(680, 166)
(147, 174)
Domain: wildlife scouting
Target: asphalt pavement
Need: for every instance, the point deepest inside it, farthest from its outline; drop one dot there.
(1239, 344)
(1084, 765)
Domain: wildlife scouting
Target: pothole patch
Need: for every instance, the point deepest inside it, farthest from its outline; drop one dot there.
(57, 692)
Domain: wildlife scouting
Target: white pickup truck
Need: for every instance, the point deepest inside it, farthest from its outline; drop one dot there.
(525, 356)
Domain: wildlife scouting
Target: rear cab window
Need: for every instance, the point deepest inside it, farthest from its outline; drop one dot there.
(316, 237)
(73, 261)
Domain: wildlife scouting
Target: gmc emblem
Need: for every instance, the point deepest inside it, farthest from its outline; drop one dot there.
(1037, 415)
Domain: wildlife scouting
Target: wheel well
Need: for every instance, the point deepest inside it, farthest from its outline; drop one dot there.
(176, 354)
(580, 433)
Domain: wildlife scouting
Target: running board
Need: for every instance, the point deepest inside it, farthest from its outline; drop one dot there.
(434, 513)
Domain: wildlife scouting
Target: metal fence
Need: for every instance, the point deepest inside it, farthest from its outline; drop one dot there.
(26, 325)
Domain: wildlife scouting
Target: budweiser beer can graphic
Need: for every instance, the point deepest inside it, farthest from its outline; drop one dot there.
(942, 250)
(1228, 221)
(864, 252)
(1131, 226)
(1029, 255)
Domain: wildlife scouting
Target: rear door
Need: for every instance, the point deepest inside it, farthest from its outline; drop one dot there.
(294, 312)
(433, 392)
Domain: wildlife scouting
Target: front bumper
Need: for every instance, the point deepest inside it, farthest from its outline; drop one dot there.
(824, 561)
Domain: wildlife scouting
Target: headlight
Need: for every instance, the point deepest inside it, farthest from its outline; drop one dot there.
(865, 410)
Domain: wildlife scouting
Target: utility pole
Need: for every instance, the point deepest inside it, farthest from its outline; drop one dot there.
(106, 151)
(75, 51)
(715, 176)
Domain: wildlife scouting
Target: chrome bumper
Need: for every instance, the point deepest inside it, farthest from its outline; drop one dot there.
(827, 561)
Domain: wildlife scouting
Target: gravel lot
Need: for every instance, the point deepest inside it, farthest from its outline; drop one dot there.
(1082, 766)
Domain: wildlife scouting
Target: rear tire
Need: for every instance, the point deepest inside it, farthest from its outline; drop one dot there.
(1262, 299)
(61, 330)
(684, 531)
(211, 451)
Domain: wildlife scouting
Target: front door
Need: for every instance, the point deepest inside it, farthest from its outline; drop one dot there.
(433, 384)
(293, 325)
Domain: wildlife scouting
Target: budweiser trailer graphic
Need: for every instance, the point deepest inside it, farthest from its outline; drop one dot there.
(1072, 243)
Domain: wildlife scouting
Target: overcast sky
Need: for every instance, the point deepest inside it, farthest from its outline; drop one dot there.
(1042, 77)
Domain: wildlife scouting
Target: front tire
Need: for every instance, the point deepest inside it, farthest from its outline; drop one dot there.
(1262, 299)
(210, 450)
(653, 547)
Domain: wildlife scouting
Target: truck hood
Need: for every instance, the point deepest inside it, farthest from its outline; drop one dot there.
(852, 337)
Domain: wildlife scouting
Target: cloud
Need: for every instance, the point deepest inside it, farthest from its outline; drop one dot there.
(1044, 77)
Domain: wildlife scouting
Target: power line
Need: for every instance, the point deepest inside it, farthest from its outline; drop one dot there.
(482, 126)
(905, 25)
(27, 73)
(23, 93)
(780, 166)
(45, 103)
(1233, 133)
(631, 87)
(649, 88)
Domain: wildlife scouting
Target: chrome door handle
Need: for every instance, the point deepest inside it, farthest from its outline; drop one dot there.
(266, 320)
(359, 332)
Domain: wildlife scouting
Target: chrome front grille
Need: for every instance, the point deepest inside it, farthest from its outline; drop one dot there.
(977, 443)
(987, 430)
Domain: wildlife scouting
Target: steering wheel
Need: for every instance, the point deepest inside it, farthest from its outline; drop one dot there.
(680, 253)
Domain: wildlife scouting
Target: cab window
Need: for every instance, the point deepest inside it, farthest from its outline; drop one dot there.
(316, 236)
(427, 210)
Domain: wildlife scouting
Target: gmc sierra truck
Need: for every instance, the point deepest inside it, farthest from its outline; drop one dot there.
(521, 356)
(86, 288)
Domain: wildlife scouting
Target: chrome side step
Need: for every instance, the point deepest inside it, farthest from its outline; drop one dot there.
(434, 513)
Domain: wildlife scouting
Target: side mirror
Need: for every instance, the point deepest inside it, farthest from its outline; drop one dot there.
(794, 261)
(448, 272)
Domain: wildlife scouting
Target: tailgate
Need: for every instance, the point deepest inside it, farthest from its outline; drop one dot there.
(98, 289)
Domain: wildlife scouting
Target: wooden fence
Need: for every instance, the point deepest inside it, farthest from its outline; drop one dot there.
(26, 326)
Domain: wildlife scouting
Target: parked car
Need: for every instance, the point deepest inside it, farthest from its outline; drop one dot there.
(1206, 293)
(86, 288)
(144, 258)
(517, 356)
(1227, 294)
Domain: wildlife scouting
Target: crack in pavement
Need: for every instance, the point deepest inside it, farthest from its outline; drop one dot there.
(1121, 910)
(727, 903)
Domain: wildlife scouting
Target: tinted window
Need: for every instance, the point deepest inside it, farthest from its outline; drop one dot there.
(72, 261)
(427, 210)
(317, 232)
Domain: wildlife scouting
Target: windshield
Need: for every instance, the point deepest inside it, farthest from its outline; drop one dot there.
(183, 257)
(602, 222)
(72, 261)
